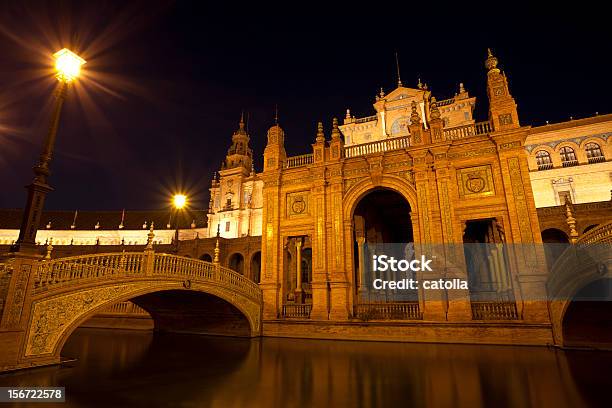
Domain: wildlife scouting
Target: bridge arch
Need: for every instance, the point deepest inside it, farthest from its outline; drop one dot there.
(68, 291)
(580, 266)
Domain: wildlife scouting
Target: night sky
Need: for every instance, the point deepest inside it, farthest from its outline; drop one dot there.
(165, 82)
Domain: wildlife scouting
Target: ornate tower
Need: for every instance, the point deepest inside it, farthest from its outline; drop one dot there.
(239, 154)
(274, 164)
(502, 107)
(274, 153)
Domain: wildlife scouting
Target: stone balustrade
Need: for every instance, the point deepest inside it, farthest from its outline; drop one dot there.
(389, 311)
(598, 235)
(465, 131)
(297, 310)
(78, 269)
(379, 146)
(299, 161)
(494, 310)
(366, 119)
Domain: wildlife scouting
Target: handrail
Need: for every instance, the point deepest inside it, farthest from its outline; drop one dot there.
(298, 161)
(76, 269)
(366, 119)
(464, 131)
(598, 235)
(378, 146)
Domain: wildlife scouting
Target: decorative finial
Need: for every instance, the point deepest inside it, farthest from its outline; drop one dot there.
(97, 226)
(571, 221)
(276, 114)
(335, 134)
(491, 62)
(320, 133)
(348, 114)
(242, 120)
(415, 119)
(399, 78)
(150, 237)
(461, 88)
(433, 109)
(382, 93)
(49, 248)
(217, 250)
(419, 84)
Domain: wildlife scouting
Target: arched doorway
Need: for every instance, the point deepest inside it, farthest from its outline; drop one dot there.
(555, 242)
(236, 263)
(587, 318)
(206, 257)
(256, 267)
(382, 225)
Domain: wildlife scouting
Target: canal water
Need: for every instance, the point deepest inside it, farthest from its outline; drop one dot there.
(132, 368)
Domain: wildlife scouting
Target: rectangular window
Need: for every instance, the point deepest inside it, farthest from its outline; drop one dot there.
(565, 197)
(227, 226)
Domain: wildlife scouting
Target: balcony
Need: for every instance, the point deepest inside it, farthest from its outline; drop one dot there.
(296, 310)
(388, 311)
(299, 161)
(545, 166)
(494, 311)
(596, 159)
(379, 146)
(569, 163)
(462, 132)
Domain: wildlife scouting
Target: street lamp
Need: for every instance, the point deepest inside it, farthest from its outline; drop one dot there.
(68, 67)
(179, 201)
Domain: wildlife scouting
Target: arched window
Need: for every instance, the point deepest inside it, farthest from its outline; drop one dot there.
(594, 153)
(543, 159)
(568, 156)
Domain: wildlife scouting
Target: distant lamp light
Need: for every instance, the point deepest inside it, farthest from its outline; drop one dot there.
(67, 65)
(179, 201)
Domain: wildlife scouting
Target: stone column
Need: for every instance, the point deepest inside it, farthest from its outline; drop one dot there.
(298, 257)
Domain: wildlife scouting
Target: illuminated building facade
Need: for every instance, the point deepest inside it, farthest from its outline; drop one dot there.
(420, 170)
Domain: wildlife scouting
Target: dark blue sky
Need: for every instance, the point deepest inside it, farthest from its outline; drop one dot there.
(169, 79)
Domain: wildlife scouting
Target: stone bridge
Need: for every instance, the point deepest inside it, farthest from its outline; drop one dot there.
(44, 301)
(581, 279)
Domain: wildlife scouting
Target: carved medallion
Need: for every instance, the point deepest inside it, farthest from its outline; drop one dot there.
(298, 205)
(475, 183)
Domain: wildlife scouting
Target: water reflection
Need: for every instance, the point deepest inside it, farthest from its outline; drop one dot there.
(131, 368)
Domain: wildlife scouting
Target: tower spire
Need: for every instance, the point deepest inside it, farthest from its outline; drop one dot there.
(399, 77)
(276, 114)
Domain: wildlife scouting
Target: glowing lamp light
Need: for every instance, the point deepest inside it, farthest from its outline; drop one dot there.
(179, 201)
(67, 65)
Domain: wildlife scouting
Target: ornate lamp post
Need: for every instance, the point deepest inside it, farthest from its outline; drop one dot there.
(179, 201)
(68, 66)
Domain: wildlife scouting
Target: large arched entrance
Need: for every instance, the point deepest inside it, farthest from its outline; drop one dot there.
(382, 225)
(587, 319)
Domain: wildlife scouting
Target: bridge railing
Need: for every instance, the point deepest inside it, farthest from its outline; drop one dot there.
(88, 266)
(77, 269)
(172, 265)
